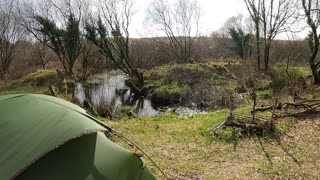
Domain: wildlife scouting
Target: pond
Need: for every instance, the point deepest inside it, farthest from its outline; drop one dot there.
(108, 90)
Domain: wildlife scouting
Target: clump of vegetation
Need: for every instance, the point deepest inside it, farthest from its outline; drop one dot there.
(37, 82)
(197, 83)
(248, 77)
(288, 80)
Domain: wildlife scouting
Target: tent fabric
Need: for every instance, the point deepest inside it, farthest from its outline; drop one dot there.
(100, 160)
(31, 126)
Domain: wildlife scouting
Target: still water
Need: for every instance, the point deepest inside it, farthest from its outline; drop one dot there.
(108, 90)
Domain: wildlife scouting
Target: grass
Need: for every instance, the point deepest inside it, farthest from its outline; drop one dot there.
(170, 88)
(36, 83)
(171, 84)
(184, 149)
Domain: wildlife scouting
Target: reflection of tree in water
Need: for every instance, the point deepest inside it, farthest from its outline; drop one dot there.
(109, 93)
(143, 108)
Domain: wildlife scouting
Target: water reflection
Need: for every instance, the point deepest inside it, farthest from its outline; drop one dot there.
(79, 93)
(145, 109)
(108, 91)
(183, 111)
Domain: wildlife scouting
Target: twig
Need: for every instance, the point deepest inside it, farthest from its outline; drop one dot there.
(254, 96)
(274, 110)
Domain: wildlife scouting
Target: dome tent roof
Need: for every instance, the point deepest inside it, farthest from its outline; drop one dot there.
(35, 128)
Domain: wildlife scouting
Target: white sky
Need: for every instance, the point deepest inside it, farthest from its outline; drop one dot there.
(214, 15)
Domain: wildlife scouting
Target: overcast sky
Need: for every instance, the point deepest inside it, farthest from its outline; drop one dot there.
(214, 15)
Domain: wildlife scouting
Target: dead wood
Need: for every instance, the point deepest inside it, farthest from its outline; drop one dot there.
(306, 104)
(252, 124)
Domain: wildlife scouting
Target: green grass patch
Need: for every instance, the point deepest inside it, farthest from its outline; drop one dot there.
(17, 89)
(212, 119)
(285, 125)
(42, 74)
(264, 94)
(173, 88)
(183, 147)
(36, 83)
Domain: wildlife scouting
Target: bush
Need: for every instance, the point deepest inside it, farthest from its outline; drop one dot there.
(287, 80)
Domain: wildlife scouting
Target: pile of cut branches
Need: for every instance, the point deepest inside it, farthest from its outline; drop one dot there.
(292, 109)
(254, 125)
(248, 125)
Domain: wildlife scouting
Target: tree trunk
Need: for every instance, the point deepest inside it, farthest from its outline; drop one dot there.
(266, 56)
(136, 82)
(69, 72)
(1, 75)
(258, 45)
(315, 73)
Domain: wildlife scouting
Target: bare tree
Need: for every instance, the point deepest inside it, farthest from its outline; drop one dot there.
(42, 55)
(89, 58)
(312, 12)
(179, 22)
(10, 33)
(273, 16)
(276, 15)
(254, 9)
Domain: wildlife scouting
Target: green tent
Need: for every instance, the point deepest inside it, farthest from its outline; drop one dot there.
(43, 137)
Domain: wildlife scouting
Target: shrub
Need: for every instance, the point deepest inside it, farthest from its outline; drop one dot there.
(287, 80)
(248, 77)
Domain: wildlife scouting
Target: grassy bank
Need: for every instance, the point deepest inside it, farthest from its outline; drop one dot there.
(184, 148)
(37, 83)
(183, 145)
(188, 83)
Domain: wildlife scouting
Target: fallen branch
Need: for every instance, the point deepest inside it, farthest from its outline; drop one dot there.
(306, 104)
(249, 127)
(252, 124)
(53, 91)
(243, 125)
(215, 129)
(301, 113)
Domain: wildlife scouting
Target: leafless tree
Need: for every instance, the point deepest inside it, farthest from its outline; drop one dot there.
(312, 12)
(89, 58)
(272, 17)
(179, 22)
(10, 33)
(254, 8)
(41, 54)
(276, 16)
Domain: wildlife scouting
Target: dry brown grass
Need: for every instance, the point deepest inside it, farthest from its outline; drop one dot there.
(184, 149)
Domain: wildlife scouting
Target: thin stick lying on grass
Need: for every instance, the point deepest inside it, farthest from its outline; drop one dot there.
(274, 110)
